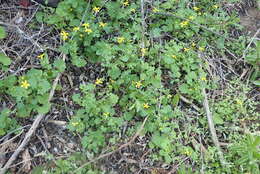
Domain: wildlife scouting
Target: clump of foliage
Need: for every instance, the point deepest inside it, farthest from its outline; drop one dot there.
(149, 68)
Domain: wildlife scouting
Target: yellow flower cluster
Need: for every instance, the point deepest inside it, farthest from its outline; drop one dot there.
(203, 79)
(186, 49)
(25, 84)
(138, 84)
(184, 23)
(125, 3)
(132, 10)
(64, 35)
(102, 24)
(239, 102)
(96, 9)
(120, 40)
(215, 6)
(143, 51)
(87, 29)
(201, 49)
(76, 29)
(174, 56)
(106, 114)
(99, 81)
(187, 152)
(86, 25)
(146, 106)
(191, 18)
(196, 8)
(75, 123)
(41, 56)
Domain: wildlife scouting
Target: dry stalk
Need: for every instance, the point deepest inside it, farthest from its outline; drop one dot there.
(22, 34)
(211, 123)
(212, 126)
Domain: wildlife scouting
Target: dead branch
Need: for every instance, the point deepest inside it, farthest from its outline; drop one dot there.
(211, 124)
(22, 34)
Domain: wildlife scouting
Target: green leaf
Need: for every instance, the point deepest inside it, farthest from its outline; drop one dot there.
(157, 32)
(176, 100)
(60, 65)
(2, 33)
(257, 82)
(39, 16)
(113, 99)
(23, 111)
(221, 43)
(44, 109)
(114, 72)
(4, 59)
(217, 119)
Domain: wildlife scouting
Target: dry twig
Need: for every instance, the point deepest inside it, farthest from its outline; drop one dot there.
(211, 123)
(22, 34)
(212, 126)
(250, 43)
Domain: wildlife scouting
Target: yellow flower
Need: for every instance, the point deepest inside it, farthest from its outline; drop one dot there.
(196, 8)
(120, 39)
(98, 81)
(155, 10)
(76, 29)
(187, 152)
(25, 84)
(138, 84)
(64, 35)
(146, 105)
(203, 79)
(106, 114)
(88, 30)
(193, 44)
(86, 25)
(143, 51)
(102, 24)
(132, 10)
(81, 35)
(191, 17)
(215, 6)
(126, 3)
(239, 102)
(96, 9)
(184, 23)
(199, 13)
(186, 49)
(174, 56)
(201, 48)
(75, 123)
(41, 56)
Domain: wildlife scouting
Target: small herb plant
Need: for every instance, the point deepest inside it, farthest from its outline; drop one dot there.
(150, 64)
